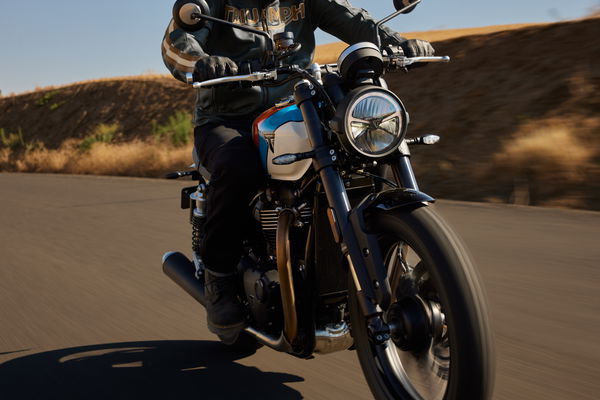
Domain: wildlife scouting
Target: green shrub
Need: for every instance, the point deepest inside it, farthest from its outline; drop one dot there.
(46, 98)
(55, 106)
(177, 130)
(104, 133)
(13, 141)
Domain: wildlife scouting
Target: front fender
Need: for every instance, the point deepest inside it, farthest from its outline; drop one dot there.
(386, 200)
(392, 199)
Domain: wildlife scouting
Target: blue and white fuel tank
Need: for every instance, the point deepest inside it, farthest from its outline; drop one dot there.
(280, 130)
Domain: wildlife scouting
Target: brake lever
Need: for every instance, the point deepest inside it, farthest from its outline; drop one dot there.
(412, 60)
(401, 62)
(253, 77)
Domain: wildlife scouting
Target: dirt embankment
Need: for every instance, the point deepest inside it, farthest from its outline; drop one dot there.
(53, 115)
(517, 111)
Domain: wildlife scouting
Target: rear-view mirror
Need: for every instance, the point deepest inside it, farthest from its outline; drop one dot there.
(187, 14)
(400, 4)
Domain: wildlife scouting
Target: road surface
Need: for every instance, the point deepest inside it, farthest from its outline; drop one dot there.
(85, 311)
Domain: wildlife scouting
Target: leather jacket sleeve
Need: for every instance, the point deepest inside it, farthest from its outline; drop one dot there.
(347, 23)
(181, 50)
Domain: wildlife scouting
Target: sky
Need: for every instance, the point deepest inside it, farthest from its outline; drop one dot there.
(46, 42)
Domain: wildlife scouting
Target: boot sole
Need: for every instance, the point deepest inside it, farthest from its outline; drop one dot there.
(226, 330)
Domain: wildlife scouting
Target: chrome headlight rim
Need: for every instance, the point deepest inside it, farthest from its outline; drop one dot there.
(344, 119)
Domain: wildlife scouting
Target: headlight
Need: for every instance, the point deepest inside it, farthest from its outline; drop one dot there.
(372, 121)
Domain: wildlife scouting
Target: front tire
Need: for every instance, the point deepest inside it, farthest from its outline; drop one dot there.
(446, 351)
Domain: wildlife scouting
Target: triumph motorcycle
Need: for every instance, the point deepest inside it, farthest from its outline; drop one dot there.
(346, 253)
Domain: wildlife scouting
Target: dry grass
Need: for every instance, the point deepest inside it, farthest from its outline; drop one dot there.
(145, 159)
(328, 53)
(546, 160)
(545, 150)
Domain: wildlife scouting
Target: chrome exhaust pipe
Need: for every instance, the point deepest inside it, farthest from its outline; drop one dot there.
(183, 272)
(276, 343)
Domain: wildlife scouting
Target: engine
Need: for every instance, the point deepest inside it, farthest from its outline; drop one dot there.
(261, 278)
(263, 296)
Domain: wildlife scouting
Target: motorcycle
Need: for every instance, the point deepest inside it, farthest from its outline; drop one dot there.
(346, 251)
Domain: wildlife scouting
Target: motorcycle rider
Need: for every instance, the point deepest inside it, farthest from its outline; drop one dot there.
(224, 115)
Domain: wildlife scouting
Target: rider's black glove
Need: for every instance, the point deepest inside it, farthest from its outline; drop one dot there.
(417, 48)
(211, 67)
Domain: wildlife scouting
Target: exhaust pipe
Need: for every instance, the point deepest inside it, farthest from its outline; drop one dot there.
(286, 282)
(183, 272)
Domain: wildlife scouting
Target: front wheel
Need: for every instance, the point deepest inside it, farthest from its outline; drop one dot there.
(440, 346)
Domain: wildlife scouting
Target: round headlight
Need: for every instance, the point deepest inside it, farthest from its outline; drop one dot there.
(373, 121)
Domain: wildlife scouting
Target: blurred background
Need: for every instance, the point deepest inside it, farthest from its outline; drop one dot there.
(516, 108)
(84, 92)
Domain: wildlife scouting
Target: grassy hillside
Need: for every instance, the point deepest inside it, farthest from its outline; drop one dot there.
(517, 110)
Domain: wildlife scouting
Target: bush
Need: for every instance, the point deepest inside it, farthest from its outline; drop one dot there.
(46, 98)
(104, 133)
(13, 141)
(547, 152)
(177, 130)
(547, 162)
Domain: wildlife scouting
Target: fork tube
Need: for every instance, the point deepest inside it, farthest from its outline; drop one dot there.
(403, 173)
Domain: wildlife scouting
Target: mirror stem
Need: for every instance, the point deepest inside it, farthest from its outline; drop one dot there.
(236, 26)
(390, 17)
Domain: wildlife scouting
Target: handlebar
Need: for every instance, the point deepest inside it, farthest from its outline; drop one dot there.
(392, 61)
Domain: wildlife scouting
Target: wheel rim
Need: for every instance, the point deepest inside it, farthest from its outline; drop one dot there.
(424, 372)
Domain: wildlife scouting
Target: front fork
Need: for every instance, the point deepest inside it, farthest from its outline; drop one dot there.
(402, 170)
(362, 249)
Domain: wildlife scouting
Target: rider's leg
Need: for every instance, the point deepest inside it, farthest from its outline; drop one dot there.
(227, 152)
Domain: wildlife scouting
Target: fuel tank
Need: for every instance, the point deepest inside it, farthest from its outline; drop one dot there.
(280, 130)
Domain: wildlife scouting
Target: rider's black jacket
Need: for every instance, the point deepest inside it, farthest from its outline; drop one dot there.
(181, 50)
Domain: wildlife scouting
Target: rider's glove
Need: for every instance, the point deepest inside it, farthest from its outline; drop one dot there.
(417, 48)
(211, 67)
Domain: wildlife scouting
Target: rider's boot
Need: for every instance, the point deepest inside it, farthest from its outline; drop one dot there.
(225, 313)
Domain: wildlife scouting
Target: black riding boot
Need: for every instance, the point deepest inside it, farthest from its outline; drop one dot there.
(225, 313)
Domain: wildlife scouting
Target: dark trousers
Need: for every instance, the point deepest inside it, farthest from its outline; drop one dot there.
(226, 150)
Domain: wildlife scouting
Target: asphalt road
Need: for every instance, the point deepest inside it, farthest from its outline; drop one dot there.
(85, 311)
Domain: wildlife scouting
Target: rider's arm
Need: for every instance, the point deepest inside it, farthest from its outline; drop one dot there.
(181, 50)
(347, 23)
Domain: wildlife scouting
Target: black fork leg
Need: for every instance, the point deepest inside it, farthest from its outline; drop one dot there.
(403, 173)
(363, 261)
